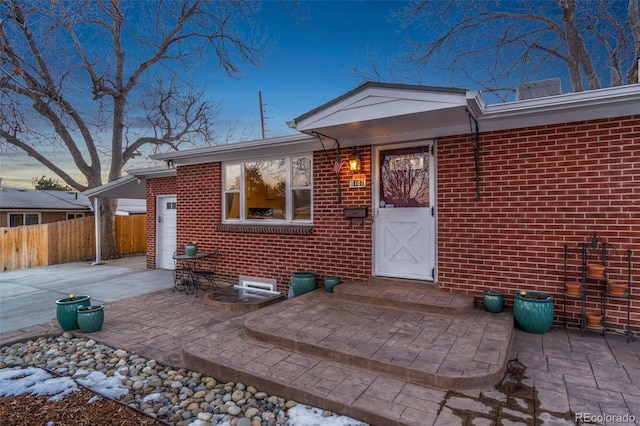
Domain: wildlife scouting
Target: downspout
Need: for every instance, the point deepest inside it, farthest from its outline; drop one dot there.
(473, 124)
(96, 216)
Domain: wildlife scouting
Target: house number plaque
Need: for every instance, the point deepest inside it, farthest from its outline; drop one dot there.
(357, 183)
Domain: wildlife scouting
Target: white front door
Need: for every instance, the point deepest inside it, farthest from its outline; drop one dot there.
(404, 224)
(166, 221)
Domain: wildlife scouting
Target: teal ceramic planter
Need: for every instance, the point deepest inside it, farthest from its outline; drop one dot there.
(191, 249)
(533, 311)
(330, 281)
(90, 318)
(66, 311)
(303, 282)
(493, 301)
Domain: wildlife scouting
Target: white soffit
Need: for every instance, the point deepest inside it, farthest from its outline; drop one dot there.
(375, 112)
(125, 187)
(133, 186)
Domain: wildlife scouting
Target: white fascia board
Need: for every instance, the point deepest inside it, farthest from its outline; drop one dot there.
(281, 145)
(588, 105)
(376, 103)
(124, 187)
(152, 172)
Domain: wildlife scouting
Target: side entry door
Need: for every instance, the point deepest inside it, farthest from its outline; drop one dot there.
(166, 234)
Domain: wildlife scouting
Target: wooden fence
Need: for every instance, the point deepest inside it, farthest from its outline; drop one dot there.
(65, 241)
(131, 234)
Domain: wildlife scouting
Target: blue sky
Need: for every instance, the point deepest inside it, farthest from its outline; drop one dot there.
(310, 64)
(306, 66)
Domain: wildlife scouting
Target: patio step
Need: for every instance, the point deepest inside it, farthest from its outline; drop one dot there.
(419, 296)
(378, 364)
(440, 351)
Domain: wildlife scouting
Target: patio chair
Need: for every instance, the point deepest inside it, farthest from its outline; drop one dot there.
(206, 279)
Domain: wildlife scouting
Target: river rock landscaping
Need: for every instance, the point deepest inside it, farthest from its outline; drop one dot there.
(174, 396)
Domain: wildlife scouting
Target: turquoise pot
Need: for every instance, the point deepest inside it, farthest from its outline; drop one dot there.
(90, 318)
(66, 311)
(190, 249)
(533, 311)
(303, 282)
(493, 301)
(330, 281)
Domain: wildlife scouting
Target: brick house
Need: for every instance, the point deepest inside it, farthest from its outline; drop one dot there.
(449, 190)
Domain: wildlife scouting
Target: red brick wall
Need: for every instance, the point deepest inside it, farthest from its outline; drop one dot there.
(541, 188)
(334, 248)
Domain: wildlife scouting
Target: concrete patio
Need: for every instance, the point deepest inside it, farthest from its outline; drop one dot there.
(551, 378)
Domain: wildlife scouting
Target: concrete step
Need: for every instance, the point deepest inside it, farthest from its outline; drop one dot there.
(419, 296)
(440, 351)
(375, 363)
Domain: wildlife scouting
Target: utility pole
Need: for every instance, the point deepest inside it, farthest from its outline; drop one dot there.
(261, 112)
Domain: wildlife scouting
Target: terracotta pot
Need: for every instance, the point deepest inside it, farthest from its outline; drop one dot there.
(573, 288)
(617, 288)
(595, 270)
(594, 319)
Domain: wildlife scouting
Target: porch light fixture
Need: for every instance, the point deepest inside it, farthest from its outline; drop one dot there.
(355, 162)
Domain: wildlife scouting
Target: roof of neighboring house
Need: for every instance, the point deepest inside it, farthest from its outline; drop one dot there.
(131, 206)
(43, 200)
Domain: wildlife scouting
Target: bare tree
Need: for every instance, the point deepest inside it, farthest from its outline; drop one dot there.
(107, 79)
(495, 43)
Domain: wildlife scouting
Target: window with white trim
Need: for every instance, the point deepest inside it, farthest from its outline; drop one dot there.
(20, 219)
(74, 216)
(275, 190)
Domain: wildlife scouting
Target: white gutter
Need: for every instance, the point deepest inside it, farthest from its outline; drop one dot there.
(290, 144)
(588, 105)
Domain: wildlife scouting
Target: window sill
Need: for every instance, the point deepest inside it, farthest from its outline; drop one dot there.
(266, 229)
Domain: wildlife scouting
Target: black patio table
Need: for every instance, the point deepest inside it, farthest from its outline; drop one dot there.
(190, 268)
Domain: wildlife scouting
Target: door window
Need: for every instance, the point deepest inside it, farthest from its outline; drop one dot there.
(404, 177)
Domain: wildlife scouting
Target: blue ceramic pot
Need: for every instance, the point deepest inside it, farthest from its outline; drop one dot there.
(533, 311)
(90, 318)
(303, 282)
(66, 311)
(330, 281)
(493, 301)
(190, 249)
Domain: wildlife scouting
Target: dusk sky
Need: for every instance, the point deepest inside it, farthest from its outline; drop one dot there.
(306, 66)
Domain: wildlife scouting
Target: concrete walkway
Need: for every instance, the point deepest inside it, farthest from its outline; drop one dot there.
(28, 296)
(555, 378)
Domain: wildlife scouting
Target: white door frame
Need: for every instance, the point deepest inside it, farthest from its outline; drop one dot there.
(161, 200)
(375, 182)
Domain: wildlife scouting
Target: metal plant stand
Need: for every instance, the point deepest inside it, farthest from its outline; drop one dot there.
(599, 253)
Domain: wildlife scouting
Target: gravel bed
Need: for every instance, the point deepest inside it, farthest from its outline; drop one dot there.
(176, 396)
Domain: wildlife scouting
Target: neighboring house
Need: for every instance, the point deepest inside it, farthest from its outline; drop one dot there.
(34, 207)
(450, 190)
